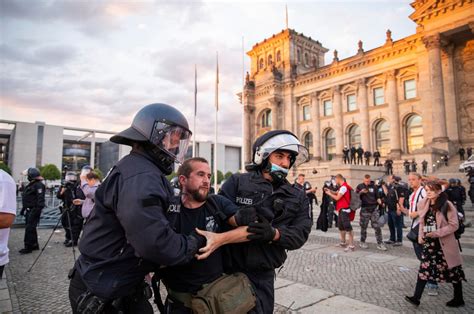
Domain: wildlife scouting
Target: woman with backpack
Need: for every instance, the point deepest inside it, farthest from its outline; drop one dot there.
(440, 259)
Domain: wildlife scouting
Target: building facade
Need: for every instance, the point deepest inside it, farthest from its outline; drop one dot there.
(409, 98)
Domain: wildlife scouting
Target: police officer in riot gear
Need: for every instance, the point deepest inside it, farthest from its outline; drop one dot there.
(71, 218)
(33, 199)
(127, 230)
(456, 195)
(284, 222)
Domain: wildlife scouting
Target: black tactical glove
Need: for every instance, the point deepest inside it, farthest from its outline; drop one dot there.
(200, 240)
(245, 215)
(261, 231)
(22, 212)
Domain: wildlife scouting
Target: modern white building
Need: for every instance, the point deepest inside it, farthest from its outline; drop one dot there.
(24, 145)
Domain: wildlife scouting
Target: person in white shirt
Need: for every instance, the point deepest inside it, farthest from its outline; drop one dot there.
(7, 215)
(419, 193)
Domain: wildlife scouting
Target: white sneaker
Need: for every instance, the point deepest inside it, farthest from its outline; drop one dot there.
(433, 291)
(363, 245)
(381, 247)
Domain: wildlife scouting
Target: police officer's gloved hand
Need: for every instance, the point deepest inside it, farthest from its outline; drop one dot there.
(261, 231)
(200, 240)
(22, 212)
(245, 215)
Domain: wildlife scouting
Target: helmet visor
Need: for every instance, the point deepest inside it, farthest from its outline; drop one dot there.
(289, 143)
(171, 139)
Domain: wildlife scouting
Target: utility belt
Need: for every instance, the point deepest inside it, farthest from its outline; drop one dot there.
(88, 303)
(227, 294)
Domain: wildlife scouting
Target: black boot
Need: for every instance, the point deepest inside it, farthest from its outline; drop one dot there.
(420, 286)
(458, 299)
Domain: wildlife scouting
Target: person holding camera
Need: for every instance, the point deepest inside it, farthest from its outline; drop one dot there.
(395, 198)
(71, 219)
(33, 199)
(441, 259)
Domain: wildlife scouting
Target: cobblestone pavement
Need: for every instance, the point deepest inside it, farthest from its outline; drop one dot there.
(379, 278)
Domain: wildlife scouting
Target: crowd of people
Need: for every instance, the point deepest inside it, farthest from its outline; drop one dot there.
(358, 156)
(219, 252)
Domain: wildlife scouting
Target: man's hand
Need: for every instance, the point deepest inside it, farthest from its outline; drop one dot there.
(262, 231)
(245, 215)
(413, 215)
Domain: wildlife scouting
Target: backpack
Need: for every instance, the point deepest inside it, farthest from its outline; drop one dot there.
(355, 201)
(461, 228)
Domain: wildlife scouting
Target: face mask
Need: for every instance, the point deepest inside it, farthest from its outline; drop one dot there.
(278, 173)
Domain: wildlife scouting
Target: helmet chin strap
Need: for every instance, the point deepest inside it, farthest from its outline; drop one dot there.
(163, 161)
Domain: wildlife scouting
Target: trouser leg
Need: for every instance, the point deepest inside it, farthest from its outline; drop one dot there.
(374, 221)
(420, 287)
(31, 235)
(263, 283)
(458, 296)
(364, 222)
(391, 225)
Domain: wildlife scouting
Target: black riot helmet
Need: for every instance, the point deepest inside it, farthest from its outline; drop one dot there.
(32, 173)
(272, 141)
(162, 130)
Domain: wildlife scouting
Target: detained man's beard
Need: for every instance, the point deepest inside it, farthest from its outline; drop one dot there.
(198, 194)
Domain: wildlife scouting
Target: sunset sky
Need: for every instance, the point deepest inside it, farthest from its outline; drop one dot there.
(93, 64)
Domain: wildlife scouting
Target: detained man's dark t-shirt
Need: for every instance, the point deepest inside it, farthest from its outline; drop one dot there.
(190, 277)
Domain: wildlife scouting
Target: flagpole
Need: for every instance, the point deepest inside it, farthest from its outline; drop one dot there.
(195, 111)
(242, 150)
(215, 125)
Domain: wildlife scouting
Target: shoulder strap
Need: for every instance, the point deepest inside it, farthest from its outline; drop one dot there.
(213, 208)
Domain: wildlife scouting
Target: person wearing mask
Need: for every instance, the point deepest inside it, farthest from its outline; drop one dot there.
(7, 215)
(33, 199)
(284, 220)
(369, 212)
(345, 215)
(441, 259)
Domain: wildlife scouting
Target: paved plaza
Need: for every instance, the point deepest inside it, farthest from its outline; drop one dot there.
(320, 277)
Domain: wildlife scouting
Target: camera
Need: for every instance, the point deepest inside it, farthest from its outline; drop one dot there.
(428, 229)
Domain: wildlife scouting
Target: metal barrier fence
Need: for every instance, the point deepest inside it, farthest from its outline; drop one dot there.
(49, 215)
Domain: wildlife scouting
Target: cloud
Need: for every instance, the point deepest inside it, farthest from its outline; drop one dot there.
(48, 55)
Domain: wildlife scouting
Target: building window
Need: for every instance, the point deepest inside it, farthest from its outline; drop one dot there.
(308, 142)
(267, 119)
(382, 137)
(278, 56)
(306, 113)
(306, 59)
(379, 98)
(261, 64)
(298, 56)
(351, 102)
(327, 108)
(330, 144)
(410, 89)
(414, 132)
(354, 136)
(270, 60)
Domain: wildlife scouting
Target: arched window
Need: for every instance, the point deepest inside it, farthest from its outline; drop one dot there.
(306, 59)
(278, 56)
(261, 64)
(270, 60)
(298, 56)
(330, 144)
(308, 142)
(382, 137)
(414, 133)
(353, 136)
(266, 119)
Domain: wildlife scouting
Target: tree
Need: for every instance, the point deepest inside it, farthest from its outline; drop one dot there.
(220, 177)
(99, 173)
(50, 172)
(228, 174)
(5, 167)
(171, 176)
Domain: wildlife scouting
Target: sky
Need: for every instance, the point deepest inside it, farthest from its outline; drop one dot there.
(95, 63)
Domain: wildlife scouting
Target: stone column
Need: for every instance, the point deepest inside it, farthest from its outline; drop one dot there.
(450, 94)
(316, 126)
(337, 107)
(362, 102)
(248, 121)
(394, 115)
(274, 106)
(436, 90)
